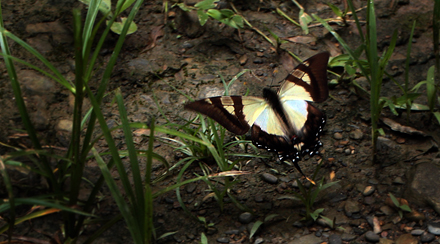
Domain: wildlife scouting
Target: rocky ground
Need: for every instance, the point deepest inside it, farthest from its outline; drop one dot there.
(193, 59)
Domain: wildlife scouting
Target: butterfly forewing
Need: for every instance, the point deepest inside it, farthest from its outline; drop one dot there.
(308, 81)
(235, 113)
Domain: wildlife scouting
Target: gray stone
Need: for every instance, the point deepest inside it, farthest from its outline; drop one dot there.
(269, 178)
(357, 134)
(335, 239)
(424, 185)
(427, 237)
(337, 136)
(190, 187)
(351, 207)
(417, 232)
(387, 210)
(348, 237)
(371, 237)
(259, 240)
(245, 218)
(434, 228)
(398, 180)
(223, 240)
(307, 239)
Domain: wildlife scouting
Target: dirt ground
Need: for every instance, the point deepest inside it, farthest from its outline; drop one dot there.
(193, 59)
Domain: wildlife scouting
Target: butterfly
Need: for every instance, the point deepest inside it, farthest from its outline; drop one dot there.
(284, 122)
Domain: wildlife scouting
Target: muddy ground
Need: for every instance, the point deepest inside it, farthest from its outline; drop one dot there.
(193, 59)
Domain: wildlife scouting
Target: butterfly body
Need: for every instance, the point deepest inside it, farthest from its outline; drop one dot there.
(285, 121)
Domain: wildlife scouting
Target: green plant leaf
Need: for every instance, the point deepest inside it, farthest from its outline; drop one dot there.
(215, 14)
(437, 116)
(226, 13)
(205, 4)
(127, 3)
(184, 7)
(255, 227)
(304, 20)
(405, 208)
(316, 213)
(203, 17)
(430, 87)
(118, 26)
(394, 199)
(270, 217)
(203, 238)
(105, 6)
(335, 10)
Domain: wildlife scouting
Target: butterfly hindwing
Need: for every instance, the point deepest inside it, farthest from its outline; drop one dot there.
(235, 113)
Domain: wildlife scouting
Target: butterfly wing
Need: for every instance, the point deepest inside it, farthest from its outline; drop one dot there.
(235, 113)
(308, 81)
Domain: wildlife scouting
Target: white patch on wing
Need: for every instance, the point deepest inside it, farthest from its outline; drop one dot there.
(296, 111)
(253, 107)
(292, 91)
(269, 122)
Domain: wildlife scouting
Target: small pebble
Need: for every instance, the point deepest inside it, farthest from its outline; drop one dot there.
(368, 190)
(269, 178)
(245, 218)
(335, 239)
(223, 240)
(398, 180)
(187, 44)
(369, 200)
(356, 134)
(258, 198)
(387, 210)
(232, 232)
(318, 233)
(434, 228)
(427, 237)
(371, 237)
(373, 181)
(417, 232)
(259, 240)
(243, 59)
(351, 207)
(258, 61)
(190, 187)
(337, 136)
(348, 237)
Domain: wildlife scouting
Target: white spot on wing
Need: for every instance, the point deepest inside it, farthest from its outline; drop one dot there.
(296, 111)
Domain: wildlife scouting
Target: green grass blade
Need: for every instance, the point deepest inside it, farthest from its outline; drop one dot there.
(341, 41)
(134, 163)
(358, 24)
(112, 147)
(36, 54)
(148, 201)
(430, 88)
(21, 104)
(11, 198)
(92, 12)
(132, 225)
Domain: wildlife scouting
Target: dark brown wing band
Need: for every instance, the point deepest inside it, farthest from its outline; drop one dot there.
(316, 68)
(213, 107)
